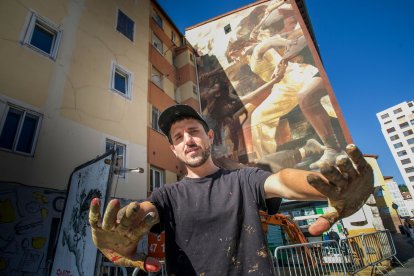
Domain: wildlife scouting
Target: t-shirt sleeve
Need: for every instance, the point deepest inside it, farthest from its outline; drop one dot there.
(255, 179)
(157, 199)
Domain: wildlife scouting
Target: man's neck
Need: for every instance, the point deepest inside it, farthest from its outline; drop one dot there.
(207, 168)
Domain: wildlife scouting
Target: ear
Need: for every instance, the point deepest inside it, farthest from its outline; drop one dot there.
(173, 149)
(210, 134)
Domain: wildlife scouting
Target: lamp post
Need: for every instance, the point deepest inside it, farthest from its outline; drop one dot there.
(395, 207)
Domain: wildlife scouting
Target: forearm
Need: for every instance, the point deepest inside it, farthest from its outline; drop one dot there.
(292, 184)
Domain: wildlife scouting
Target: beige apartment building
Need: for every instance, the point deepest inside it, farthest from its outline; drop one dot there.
(80, 78)
(86, 76)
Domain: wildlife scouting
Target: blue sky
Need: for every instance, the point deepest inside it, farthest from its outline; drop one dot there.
(367, 48)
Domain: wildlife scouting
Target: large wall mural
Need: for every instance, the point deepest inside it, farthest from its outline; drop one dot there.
(261, 92)
(29, 221)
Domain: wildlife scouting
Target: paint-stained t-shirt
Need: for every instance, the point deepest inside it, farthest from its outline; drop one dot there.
(212, 226)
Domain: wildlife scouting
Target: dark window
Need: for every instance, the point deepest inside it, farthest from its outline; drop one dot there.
(120, 150)
(155, 116)
(157, 18)
(125, 25)
(412, 150)
(404, 125)
(394, 137)
(386, 115)
(406, 161)
(397, 110)
(411, 178)
(409, 169)
(387, 122)
(402, 153)
(42, 38)
(227, 29)
(391, 130)
(120, 82)
(408, 132)
(398, 145)
(410, 104)
(19, 131)
(412, 121)
(410, 141)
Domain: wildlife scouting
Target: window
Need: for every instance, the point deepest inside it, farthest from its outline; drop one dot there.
(400, 117)
(386, 115)
(404, 125)
(387, 122)
(120, 150)
(191, 57)
(397, 111)
(410, 104)
(391, 130)
(406, 161)
(156, 178)
(173, 37)
(125, 25)
(121, 81)
(412, 121)
(411, 178)
(42, 36)
(155, 115)
(394, 137)
(227, 29)
(410, 141)
(408, 132)
(156, 42)
(412, 150)
(19, 130)
(402, 153)
(398, 145)
(156, 77)
(409, 169)
(195, 90)
(157, 18)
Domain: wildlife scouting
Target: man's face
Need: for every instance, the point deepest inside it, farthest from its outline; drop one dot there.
(190, 142)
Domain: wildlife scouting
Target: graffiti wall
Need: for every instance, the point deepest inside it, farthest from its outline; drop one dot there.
(261, 92)
(29, 221)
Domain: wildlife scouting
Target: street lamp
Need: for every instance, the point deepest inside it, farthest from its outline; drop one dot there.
(121, 170)
(395, 207)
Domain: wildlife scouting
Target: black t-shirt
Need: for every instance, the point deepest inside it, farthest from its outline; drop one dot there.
(212, 226)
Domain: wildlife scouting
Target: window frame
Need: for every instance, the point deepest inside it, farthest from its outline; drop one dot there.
(37, 20)
(156, 40)
(121, 31)
(116, 144)
(155, 110)
(16, 139)
(157, 19)
(159, 84)
(118, 69)
(151, 178)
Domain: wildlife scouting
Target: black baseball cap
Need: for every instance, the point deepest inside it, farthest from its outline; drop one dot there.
(175, 113)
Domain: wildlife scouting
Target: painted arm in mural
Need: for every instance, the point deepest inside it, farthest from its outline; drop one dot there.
(347, 186)
(117, 234)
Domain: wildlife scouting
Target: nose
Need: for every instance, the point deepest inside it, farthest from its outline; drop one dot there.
(188, 138)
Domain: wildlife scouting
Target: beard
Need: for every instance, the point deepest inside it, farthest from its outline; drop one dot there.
(196, 161)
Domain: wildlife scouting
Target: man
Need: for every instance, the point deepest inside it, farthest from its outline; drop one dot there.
(210, 217)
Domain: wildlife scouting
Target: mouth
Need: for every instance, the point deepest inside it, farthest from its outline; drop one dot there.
(190, 149)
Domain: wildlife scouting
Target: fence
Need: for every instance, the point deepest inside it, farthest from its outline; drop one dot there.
(350, 256)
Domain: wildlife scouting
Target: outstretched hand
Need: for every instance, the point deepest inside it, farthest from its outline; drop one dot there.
(118, 233)
(347, 187)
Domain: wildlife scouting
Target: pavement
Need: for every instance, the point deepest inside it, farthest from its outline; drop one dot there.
(405, 254)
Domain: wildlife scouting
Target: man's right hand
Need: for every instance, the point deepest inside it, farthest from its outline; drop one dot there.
(118, 233)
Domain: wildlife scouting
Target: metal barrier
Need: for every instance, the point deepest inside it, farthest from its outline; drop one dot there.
(350, 256)
(368, 250)
(314, 258)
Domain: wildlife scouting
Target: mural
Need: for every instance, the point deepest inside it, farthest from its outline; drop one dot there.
(29, 220)
(75, 252)
(261, 92)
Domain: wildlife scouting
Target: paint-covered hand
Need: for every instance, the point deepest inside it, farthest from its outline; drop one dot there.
(118, 233)
(347, 187)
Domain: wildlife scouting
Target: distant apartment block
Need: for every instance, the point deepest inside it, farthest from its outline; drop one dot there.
(397, 126)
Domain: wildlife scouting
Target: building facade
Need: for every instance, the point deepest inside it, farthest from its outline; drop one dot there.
(82, 77)
(397, 126)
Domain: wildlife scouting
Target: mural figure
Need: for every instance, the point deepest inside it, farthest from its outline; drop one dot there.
(74, 234)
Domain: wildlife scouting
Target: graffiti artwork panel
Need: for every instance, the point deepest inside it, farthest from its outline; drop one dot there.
(261, 92)
(29, 217)
(75, 252)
